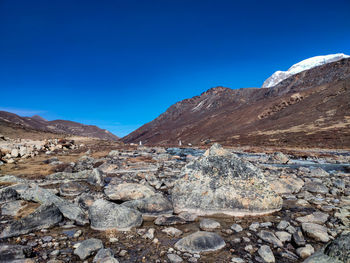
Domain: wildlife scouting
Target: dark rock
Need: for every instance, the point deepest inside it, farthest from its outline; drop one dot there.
(298, 238)
(44, 196)
(12, 252)
(8, 194)
(44, 217)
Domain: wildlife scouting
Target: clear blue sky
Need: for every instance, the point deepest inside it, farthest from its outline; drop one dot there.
(120, 63)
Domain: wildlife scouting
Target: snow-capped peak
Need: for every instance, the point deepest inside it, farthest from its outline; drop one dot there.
(306, 64)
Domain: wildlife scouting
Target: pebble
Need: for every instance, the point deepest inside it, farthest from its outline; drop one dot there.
(266, 253)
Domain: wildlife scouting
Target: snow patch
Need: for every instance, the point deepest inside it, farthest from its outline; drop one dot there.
(306, 64)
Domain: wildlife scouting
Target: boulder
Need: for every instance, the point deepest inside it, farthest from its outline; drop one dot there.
(128, 191)
(105, 215)
(223, 184)
(200, 241)
(152, 206)
(87, 247)
(44, 196)
(44, 217)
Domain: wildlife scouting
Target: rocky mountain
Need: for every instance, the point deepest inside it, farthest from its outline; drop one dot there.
(310, 108)
(306, 64)
(37, 123)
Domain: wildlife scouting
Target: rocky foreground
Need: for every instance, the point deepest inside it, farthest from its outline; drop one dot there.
(179, 205)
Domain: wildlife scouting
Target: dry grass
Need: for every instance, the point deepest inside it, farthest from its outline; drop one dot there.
(27, 210)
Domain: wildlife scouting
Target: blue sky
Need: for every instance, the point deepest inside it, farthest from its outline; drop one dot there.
(119, 64)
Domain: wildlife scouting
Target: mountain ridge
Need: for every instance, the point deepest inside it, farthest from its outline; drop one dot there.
(309, 108)
(37, 123)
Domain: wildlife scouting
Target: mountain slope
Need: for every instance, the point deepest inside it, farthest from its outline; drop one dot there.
(37, 123)
(310, 108)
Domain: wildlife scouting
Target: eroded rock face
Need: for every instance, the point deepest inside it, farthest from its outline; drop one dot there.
(105, 215)
(200, 241)
(223, 184)
(44, 217)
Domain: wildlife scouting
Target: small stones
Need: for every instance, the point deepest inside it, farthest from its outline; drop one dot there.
(266, 253)
(172, 231)
(209, 224)
(200, 241)
(315, 231)
(237, 228)
(305, 252)
(87, 247)
(270, 238)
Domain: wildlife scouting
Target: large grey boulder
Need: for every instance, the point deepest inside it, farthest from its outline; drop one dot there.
(44, 217)
(106, 215)
(44, 196)
(336, 251)
(128, 191)
(221, 183)
(152, 206)
(200, 241)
